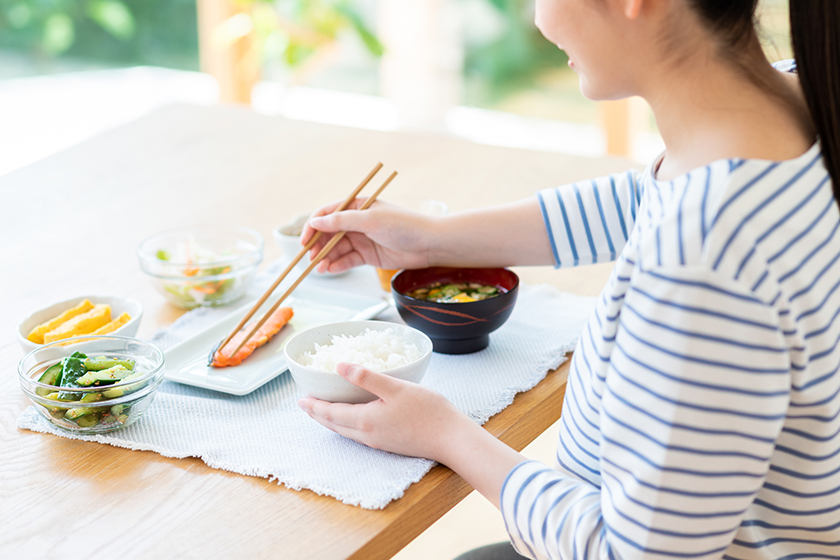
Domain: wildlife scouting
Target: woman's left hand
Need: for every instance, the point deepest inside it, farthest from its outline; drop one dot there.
(407, 418)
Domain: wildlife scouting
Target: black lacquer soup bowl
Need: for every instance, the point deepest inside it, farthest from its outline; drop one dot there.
(456, 328)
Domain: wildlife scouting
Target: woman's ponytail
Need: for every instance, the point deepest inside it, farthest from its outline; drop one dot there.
(815, 31)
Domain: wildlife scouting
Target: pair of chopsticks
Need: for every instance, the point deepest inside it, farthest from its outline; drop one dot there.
(323, 253)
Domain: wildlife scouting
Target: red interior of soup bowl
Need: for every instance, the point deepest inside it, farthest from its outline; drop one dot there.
(408, 280)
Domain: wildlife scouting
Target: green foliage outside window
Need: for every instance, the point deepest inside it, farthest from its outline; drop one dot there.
(161, 32)
(164, 32)
(294, 30)
(512, 60)
(50, 25)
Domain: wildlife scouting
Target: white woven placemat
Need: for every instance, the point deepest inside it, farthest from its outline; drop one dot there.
(265, 433)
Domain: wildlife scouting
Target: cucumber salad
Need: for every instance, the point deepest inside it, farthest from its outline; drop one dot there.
(80, 371)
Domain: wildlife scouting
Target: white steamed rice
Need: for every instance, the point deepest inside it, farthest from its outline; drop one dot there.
(375, 350)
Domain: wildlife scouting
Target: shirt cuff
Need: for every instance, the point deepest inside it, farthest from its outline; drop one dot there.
(511, 504)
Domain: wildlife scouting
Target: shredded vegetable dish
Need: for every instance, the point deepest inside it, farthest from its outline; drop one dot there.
(195, 289)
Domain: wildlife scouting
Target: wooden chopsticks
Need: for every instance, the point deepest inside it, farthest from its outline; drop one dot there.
(323, 253)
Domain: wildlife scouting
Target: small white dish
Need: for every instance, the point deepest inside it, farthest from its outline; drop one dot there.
(118, 305)
(287, 237)
(330, 386)
(186, 362)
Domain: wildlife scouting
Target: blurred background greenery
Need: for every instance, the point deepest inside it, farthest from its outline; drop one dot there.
(111, 32)
(503, 61)
(163, 33)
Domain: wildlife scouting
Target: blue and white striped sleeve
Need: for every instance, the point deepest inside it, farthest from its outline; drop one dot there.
(692, 400)
(589, 222)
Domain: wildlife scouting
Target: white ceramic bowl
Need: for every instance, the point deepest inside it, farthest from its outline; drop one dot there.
(287, 237)
(118, 305)
(330, 386)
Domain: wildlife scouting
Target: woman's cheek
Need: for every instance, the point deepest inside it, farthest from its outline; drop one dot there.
(545, 18)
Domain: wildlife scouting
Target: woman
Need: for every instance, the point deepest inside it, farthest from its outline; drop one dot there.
(702, 414)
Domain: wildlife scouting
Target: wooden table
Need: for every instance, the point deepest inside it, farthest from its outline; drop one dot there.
(71, 225)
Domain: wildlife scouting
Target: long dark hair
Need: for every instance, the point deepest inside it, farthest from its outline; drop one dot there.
(815, 32)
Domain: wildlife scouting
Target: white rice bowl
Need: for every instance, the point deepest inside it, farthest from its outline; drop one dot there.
(375, 350)
(396, 350)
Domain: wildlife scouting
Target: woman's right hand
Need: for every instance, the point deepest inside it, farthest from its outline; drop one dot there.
(385, 236)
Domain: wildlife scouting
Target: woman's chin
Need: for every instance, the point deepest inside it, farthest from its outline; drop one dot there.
(596, 92)
(587, 89)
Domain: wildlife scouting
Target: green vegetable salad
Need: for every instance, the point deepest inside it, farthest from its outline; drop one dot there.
(77, 371)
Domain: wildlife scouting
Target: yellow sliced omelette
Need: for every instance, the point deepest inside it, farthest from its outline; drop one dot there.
(37, 334)
(109, 328)
(113, 325)
(85, 323)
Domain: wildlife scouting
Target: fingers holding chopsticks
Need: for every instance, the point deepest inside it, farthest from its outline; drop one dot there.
(386, 236)
(355, 249)
(352, 198)
(357, 244)
(327, 209)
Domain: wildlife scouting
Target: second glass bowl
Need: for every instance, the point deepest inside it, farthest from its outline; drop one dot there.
(204, 266)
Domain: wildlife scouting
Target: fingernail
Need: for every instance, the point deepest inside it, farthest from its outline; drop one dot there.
(316, 221)
(303, 404)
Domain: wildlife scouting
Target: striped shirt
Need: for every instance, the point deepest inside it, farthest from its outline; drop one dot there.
(702, 414)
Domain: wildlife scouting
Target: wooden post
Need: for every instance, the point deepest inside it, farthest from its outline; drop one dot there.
(227, 48)
(615, 118)
(421, 71)
(622, 120)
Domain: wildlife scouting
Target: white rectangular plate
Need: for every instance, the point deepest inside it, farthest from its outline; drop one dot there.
(186, 362)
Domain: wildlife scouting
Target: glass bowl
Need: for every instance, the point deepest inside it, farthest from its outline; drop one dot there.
(202, 267)
(100, 408)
